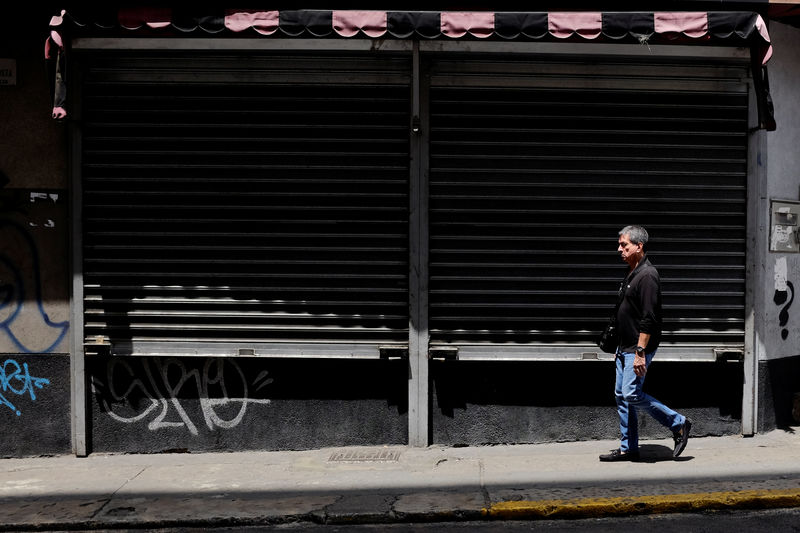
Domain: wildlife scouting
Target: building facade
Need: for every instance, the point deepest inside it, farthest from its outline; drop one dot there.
(309, 228)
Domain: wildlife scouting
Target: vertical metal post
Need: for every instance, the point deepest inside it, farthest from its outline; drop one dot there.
(754, 281)
(78, 393)
(418, 385)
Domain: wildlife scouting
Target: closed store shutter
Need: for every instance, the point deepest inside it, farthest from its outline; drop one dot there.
(534, 167)
(245, 204)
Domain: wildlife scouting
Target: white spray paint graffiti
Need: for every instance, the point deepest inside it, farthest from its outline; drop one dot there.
(167, 379)
(781, 274)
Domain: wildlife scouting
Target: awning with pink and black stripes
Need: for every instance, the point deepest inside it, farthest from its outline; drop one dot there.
(726, 28)
(735, 28)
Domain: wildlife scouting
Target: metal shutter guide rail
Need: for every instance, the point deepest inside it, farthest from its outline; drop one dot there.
(223, 44)
(581, 352)
(102, 346)
(728, 53)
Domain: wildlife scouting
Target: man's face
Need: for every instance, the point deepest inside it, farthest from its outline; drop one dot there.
(627, 250)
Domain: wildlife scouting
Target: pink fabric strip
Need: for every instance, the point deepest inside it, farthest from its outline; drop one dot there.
(349, 23)
(693, 25)
(58, 20)
(55, 39)
(153, 17)
(264, 22)
(588, 25)
(478, 24)
(762, 29)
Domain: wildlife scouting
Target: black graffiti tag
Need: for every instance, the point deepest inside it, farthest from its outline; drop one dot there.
(780, 299)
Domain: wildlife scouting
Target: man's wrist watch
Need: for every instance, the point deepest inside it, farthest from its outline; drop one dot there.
(639, 349)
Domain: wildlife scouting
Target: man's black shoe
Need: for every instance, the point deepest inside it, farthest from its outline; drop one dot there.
(681, 437)
(619, 455)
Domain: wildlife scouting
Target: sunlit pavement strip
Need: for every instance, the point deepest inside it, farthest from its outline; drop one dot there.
(393, 484)
(669, 503)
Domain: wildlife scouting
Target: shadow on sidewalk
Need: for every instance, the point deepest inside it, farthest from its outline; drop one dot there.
(656, 453)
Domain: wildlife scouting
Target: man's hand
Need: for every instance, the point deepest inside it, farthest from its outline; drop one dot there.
(639, 365)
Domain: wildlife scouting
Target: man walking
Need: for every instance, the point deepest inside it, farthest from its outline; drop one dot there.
(639, 325)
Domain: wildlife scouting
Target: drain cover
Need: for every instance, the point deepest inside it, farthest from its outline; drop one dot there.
(365, 456)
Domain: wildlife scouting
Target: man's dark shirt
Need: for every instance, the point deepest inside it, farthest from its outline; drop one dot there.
(640, 310)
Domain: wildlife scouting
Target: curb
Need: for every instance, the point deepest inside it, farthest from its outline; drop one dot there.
(656, 504)
(508, 510)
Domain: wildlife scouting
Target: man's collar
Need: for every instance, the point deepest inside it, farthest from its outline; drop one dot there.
(642, 262)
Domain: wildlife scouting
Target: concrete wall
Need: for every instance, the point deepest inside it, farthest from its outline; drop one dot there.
(34, 405)
(782, 334)
(145, 404)
(34, 273)
(530, 402)
(778, 327)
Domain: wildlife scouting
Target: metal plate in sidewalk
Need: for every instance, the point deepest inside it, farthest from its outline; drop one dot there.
(365, 456)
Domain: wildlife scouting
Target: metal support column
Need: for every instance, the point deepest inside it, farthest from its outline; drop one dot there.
(78, 378)
(418, 385)
(756, 247)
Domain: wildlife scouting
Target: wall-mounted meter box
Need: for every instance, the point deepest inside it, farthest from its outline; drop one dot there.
(784, 235)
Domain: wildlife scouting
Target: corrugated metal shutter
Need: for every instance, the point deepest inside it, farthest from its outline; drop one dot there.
(534, 167)
(245, 204)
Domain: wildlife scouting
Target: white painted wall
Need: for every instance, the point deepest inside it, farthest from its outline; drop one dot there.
(781, 338)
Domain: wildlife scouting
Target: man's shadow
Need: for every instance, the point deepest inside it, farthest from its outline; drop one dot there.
(656, 453)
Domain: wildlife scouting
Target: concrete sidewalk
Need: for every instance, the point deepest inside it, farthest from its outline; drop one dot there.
(396, 484)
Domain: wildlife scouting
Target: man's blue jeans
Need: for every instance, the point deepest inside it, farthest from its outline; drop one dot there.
(630, 398)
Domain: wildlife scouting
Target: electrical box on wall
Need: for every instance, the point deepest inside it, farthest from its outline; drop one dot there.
(784, 235)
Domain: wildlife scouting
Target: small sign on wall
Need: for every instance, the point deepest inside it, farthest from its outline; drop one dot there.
(8, 71)
(784, 234)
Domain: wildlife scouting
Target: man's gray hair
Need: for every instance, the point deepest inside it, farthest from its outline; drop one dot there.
(636, 234)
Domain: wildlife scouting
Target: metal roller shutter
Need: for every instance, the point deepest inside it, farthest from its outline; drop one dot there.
(535, 166)
(245, 204)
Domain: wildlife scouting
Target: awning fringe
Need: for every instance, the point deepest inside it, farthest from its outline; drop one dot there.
(743, 29)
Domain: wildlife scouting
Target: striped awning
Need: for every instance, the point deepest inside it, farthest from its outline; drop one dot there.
(741, 29)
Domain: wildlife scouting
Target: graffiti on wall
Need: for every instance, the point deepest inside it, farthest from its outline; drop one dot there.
(164, 394)
(784, 299)
(16, 380)
(24, 322)
(784, 295)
